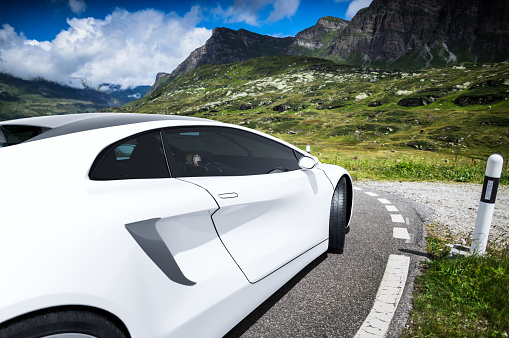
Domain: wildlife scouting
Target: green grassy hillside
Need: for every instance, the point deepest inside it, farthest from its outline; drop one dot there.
(461, 110)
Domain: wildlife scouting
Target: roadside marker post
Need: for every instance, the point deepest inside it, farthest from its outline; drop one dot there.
(487, 204)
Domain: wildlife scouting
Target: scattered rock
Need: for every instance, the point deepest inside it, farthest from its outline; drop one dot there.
(412, 102)
(375, 103)
(246, 106)
(281, 108)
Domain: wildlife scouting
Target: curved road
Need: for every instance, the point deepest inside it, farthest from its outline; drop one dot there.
(336, 293)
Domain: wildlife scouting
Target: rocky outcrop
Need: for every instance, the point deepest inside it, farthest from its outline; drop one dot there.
(315, 37)
(415, 34)
(484, 92)
(331, 22)
(161, 78)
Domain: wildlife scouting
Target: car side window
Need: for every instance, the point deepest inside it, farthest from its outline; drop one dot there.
(220, 151)
(141, 156)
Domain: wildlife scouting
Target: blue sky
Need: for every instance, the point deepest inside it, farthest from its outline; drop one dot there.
(129, 42)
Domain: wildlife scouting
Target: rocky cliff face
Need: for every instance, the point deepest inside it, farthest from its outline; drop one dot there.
(417, 34)
(318, 36)
(226, 46)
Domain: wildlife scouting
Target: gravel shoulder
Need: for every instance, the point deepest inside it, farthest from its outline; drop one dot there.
(454, 207)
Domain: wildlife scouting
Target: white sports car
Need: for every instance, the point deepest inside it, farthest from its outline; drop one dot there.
(138, 225)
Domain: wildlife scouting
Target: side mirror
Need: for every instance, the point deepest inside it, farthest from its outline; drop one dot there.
(307, 162)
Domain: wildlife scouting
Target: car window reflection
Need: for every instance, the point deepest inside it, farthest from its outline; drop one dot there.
(139, 157)
(219, 151)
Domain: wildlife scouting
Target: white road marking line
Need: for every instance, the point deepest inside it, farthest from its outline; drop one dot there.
(371, 193)
(357, 188)
(384, 201)
(401, 233)
(397, 218)
(387, 299)
(391, 208)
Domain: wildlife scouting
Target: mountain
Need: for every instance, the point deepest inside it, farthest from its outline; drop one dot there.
(392, 34)
(461, 109)
(415, 34)
(226, 46)
(123, 96)
(21, 98)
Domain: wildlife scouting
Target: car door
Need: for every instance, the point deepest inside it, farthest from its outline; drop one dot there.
(169, 219)
(270, 210)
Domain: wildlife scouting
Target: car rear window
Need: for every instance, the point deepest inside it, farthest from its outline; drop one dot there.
(15, 134)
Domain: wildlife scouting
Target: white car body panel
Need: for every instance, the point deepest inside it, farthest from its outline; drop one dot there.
(64, 241)
(262, 227)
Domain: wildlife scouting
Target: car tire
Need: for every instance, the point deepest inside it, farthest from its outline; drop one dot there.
(338, 217)
(61, 324)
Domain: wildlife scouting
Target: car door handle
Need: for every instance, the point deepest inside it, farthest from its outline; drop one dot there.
(228, 195)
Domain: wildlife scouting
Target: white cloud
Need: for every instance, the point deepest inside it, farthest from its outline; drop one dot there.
(282, 9)
(279, 35)
(77, 6)
(355, 6)
(248, 11)
(125, 48)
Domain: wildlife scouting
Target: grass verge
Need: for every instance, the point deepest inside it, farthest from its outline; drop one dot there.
(462, 296)
(407, 166)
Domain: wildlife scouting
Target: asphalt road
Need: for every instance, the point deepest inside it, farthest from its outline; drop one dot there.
(333, 296)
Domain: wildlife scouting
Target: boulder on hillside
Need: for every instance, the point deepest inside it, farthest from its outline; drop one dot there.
(281, 108)
(412, 102)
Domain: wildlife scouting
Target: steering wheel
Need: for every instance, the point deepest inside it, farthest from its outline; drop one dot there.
(277, 170)
(201, 157)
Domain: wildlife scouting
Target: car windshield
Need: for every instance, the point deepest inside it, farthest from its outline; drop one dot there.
(15, 134)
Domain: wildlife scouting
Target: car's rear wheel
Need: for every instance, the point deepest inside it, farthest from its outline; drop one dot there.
(61, 323)
(338, 217)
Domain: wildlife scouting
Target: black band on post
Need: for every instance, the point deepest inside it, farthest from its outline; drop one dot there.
(489, 189)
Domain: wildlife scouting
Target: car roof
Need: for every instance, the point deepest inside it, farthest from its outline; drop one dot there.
(66, 124)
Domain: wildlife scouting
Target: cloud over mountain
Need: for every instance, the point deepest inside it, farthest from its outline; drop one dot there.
(248, 11)
(125, 48)
(355, 6)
